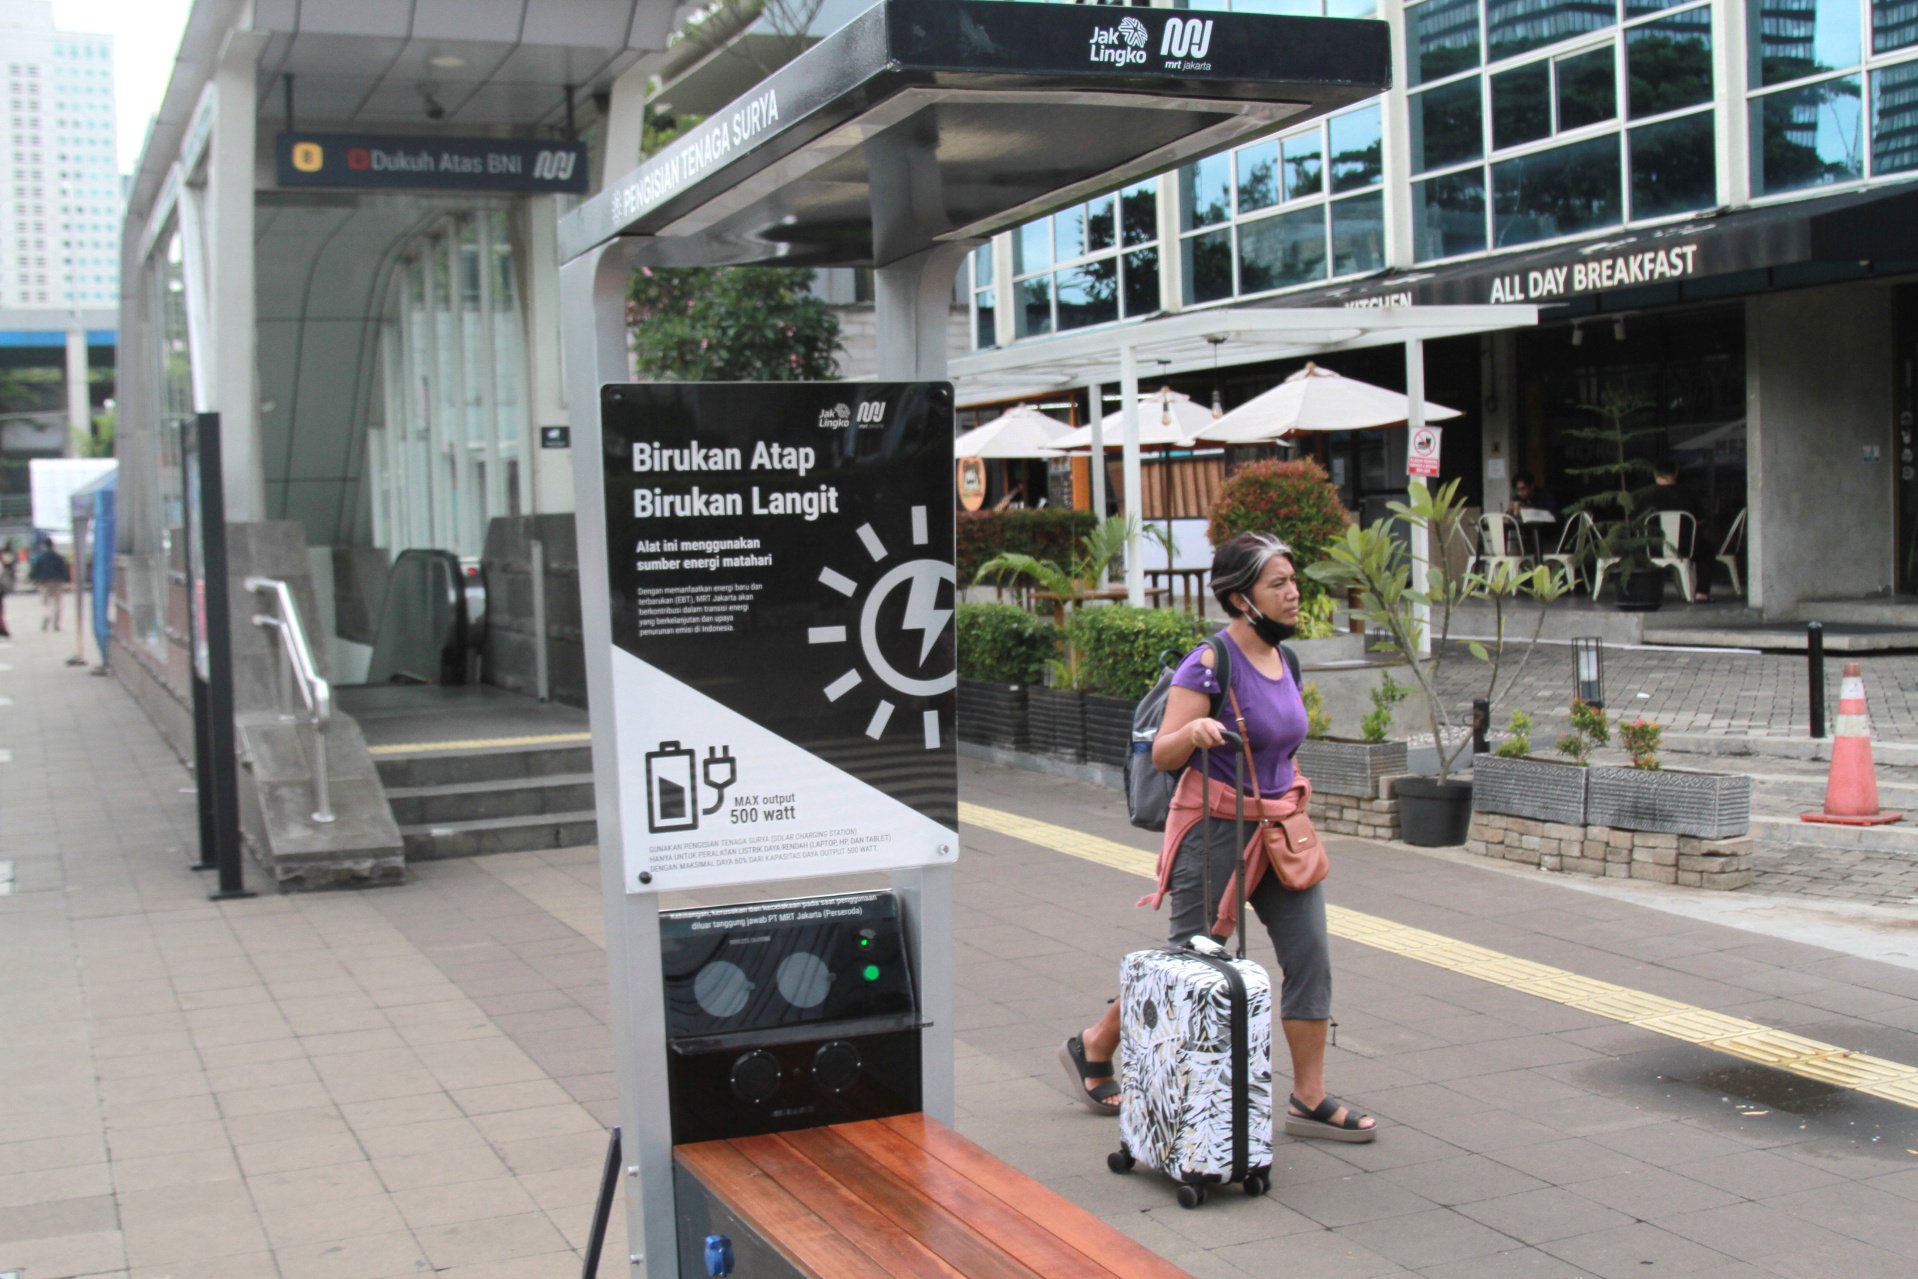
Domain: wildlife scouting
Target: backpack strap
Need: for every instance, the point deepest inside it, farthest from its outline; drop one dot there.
(1292, 664)
(1221, 669)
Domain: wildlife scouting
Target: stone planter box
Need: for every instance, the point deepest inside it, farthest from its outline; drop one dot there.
(1706, 805)
(1344, 767)
(1541, 789)
(993, 714)
(1685, 861)
(1108, 729)
(1056, 724)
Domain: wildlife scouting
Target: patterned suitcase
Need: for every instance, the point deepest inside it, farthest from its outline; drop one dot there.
(1195, 1064)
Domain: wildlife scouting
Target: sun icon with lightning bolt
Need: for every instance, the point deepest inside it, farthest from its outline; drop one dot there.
(923, 580)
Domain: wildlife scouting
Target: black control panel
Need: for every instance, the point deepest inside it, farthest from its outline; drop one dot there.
(788, 1014)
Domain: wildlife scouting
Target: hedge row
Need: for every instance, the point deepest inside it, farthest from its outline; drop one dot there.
(1043, 534)
(1118, 646)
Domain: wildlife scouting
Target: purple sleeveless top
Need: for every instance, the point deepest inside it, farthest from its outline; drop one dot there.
(1274, 717)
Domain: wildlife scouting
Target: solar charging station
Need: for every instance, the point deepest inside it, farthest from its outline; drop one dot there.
(767, 569)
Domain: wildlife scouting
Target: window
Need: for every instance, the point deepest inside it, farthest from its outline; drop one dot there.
(1827, 105)
(1295, 209)
(1090, 264)
(1531, 120)
(985, 334)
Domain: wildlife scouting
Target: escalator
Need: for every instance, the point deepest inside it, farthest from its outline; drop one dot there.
(432, 621)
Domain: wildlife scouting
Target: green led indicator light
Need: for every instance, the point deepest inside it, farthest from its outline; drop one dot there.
(865, 943)
(870, 972)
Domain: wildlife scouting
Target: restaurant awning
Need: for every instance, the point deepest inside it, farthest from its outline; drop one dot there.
(1183, 343)
(1715, 254)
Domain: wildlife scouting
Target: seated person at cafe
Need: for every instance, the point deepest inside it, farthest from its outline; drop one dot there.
(1669, 494)
(1528, 496)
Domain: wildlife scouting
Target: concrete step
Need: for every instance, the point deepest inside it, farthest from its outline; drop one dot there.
(475, 801)
(1789, 832)
(436, 841)
(483, 764)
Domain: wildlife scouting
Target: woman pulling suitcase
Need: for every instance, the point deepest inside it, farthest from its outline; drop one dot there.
(1255, 579)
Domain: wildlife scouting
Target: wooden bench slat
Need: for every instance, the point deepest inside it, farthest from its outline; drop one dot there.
(985, 1196)
(800, 1235)
(1104, 1244)
(940, 1230)
(868, 1229)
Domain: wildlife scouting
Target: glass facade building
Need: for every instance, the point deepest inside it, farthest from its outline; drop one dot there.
(1513, 124)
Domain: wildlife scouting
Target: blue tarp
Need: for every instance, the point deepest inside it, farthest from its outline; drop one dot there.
(98, 502)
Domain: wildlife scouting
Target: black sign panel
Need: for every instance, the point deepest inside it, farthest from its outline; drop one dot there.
(433, 163)
(780, 571)
(556, 437)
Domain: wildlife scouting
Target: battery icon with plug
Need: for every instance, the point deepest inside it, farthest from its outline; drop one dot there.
(671, 791)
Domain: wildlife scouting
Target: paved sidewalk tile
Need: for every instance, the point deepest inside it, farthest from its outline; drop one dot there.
(417, 1080)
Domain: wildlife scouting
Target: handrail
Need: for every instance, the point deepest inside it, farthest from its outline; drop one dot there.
(298, 663)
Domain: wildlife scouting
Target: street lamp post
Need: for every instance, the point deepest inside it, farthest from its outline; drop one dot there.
(1588, 671)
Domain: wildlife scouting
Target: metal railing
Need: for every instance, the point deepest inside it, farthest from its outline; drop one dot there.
(299, 675)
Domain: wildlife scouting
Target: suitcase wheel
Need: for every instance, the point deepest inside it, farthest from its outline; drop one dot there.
(1256, 1184)
(1120, 1160)
(1191, 1196)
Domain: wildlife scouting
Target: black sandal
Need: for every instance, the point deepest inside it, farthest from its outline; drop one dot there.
(1316, 1121)
(1103, 1100)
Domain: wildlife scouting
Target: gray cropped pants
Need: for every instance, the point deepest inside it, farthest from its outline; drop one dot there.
(1294, 921)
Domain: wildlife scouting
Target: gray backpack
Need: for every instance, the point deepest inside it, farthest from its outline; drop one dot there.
(1148, 791)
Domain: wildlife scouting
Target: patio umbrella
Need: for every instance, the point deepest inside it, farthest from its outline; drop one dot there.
(1020, 432)
(1168, 419)
(1316, 399)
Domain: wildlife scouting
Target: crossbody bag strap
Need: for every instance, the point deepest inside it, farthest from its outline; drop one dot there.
(1245, 742)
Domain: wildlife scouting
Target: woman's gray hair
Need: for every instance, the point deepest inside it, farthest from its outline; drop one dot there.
(1239, 561)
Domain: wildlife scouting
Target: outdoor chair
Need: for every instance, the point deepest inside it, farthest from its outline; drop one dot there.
(1498, 543)
(1678, 532)
(1574, 545)
(1733, 550)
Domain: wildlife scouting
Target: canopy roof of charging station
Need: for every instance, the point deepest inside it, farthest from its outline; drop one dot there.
(1193, 341)
(949, 120)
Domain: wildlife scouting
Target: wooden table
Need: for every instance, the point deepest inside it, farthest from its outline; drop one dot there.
(1191, 583)
(1116, 594)
(905, 1196)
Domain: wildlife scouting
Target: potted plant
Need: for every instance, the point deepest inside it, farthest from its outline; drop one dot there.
(1621, 544)
(1003, 651)
(1646, 796)
(1510, 781)
(1343, 766)
(1396, 601)
(1055, 710)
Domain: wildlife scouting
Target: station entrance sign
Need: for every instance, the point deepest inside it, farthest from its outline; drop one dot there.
(780, 573)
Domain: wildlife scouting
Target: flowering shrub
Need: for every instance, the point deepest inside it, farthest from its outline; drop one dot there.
(1295, 500)
(1641, 737)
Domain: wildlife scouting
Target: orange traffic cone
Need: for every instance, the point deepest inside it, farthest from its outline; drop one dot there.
(1851, 790)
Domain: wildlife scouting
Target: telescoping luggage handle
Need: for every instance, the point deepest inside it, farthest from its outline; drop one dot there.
(1234, 741)
(1214, 954)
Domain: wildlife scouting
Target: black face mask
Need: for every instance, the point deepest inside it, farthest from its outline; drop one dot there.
(1273, 633)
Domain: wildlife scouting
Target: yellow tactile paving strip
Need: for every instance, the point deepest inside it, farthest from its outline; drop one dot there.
(479, 743)
(1734, 1036)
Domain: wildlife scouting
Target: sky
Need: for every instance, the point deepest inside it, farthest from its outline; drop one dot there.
(146, 35)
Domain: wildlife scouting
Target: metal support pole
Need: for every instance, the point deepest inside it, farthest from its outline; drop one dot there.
(542, 673)
(1421, 539)
(1097, 395)
(1815, 674)
(1132, 504)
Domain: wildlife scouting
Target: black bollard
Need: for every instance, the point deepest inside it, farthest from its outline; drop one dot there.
(1481, 725)
(1815, 672)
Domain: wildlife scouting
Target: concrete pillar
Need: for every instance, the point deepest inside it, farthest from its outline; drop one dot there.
(1498, 435)
(1819, 449)
(227, 206)
(547, 479)
(79, 405)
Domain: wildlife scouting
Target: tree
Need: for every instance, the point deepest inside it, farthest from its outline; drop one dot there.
(726, 324)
